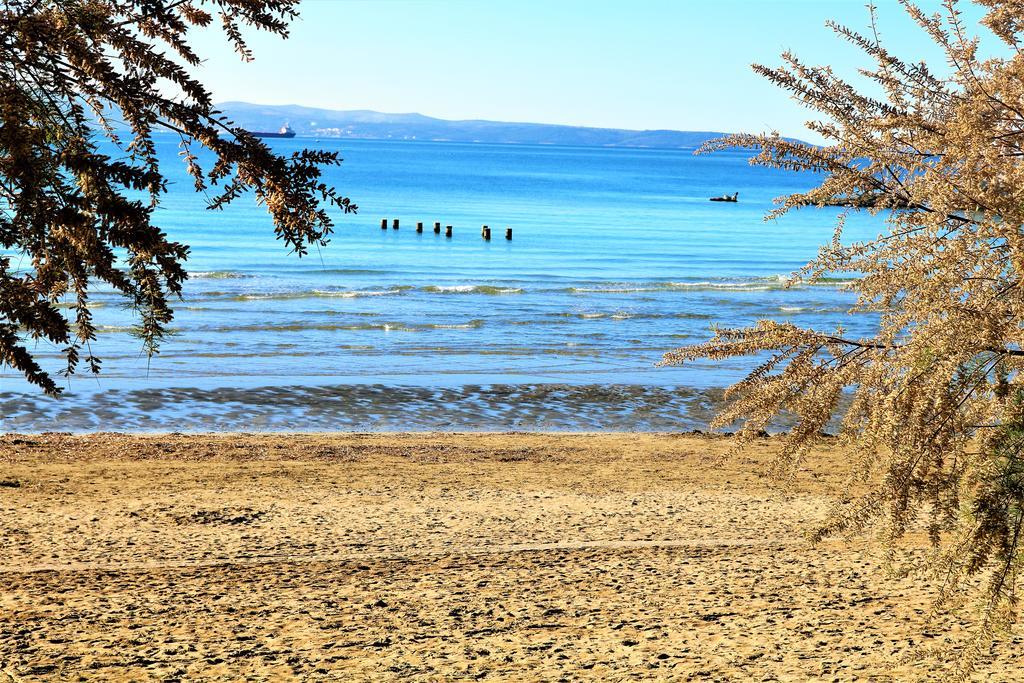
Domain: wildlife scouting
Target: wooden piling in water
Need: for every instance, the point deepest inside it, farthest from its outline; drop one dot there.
(394, 224)
(487, 234)
(447, 231)
(419, 227)
(437, 228)
(483, 229)
(383, 223)
(508, 233)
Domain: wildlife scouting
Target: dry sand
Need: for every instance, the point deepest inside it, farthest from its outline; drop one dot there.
(437, 557)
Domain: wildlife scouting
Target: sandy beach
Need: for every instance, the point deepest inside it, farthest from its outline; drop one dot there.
(439, 557)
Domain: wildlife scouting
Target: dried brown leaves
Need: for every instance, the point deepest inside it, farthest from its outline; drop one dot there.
(936, 401)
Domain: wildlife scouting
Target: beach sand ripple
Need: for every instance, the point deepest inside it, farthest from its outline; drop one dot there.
(438, 557)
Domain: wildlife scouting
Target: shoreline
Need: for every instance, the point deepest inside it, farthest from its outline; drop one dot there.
(551, 406)
(440, 556)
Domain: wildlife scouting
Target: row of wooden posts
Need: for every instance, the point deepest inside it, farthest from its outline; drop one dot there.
(485, 231)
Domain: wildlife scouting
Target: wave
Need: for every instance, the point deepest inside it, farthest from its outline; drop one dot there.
(472, 289)
(89, 305)
(383, 327)
(761, 284)
(394, 290)
(754, 284)
(471, 325)
(550, 318)
(619, 315)
(313, 327)
(217, 275)
(611, 290)
(321, 294)
(332, 271)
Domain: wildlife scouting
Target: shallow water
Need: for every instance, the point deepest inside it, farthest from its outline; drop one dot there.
(616, 258)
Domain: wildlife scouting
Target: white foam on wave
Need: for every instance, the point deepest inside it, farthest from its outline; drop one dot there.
(323, 293)
(216, 275)
(612, 290)
(453, 288)
(471, 289)
(750, 286)
(70, 304)
(355, 293)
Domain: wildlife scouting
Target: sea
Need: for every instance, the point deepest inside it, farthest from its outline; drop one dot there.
(616, 257)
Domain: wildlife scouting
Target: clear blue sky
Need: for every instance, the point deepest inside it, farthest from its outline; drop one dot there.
(681, 64)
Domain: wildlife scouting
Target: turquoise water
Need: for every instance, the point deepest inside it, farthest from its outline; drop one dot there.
(617, 256)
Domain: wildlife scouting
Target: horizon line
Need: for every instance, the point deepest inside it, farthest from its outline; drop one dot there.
(472, 120)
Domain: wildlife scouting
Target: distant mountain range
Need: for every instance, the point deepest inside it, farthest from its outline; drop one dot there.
(371, 125)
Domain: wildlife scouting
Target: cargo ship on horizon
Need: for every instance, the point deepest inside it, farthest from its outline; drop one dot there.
(285, 132)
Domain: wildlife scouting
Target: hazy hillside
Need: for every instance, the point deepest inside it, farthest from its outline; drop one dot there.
(308, 121)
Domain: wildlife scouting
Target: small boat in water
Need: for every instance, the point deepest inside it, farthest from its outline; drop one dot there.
(285, 132)
(735, 197)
